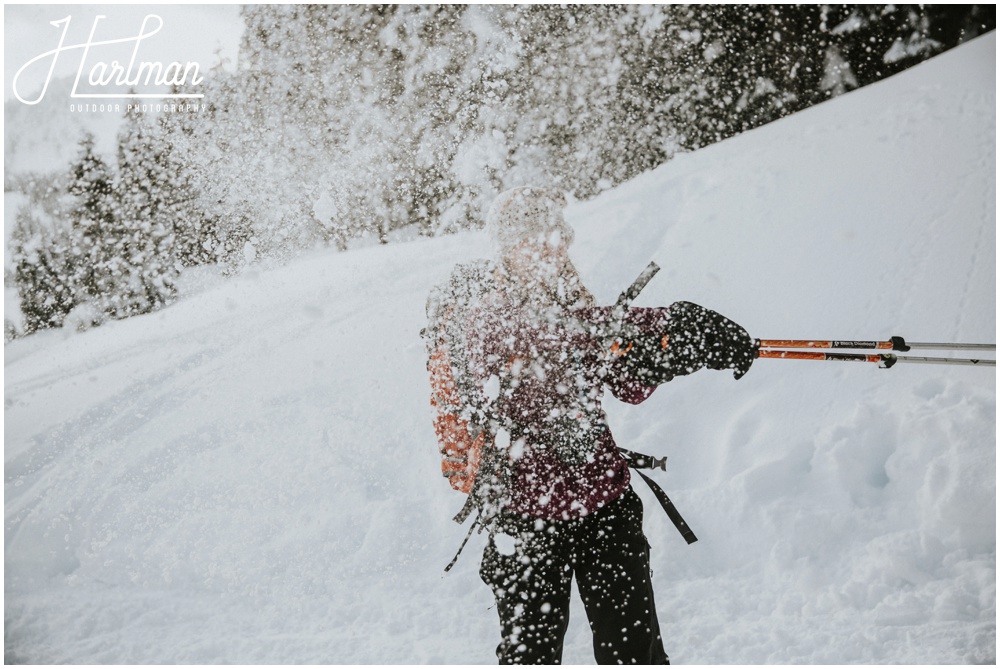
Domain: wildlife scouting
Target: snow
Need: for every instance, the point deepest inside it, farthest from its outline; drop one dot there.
(251, 476)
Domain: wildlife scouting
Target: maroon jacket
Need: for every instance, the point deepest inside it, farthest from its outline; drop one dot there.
(550, 371)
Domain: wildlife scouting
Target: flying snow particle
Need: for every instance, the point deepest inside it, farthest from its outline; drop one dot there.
(492, 387)
(505, 544)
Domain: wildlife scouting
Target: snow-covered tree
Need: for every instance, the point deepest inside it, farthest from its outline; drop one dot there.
(699, 74)
(91, 221)
(41, 251)
(57, 243)
(140, 265)
(353, 121)
(102, 243)
(194, 232)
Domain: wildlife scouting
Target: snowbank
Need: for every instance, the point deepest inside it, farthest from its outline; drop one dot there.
(250, 476)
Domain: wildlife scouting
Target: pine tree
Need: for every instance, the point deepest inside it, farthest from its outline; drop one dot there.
(57, 247)
(91, 222)
(143, 263)
(194, 233)
(43, 268)
(347, 121)
(211, 152)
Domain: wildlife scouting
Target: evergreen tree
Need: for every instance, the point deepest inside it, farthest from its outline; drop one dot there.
(41, 253)
(142, 260)
(57, 246)
(212, 149)
(195, 234)
(700, 74)
(91, 222)
(347, 121)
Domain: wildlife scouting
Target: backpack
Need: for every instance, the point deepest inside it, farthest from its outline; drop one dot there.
(463, 419)
(458, 405)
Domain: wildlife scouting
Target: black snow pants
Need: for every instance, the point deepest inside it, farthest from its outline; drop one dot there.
(530, 565)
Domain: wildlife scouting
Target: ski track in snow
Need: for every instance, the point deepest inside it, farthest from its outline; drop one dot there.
(250, 476)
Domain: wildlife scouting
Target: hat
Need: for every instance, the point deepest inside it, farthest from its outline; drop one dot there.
(521, 213)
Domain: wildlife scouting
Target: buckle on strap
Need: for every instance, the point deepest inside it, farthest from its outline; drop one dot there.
(642, 461)
(639, 461)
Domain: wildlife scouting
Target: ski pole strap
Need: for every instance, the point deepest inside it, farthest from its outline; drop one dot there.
(467, 508)
(670, 509)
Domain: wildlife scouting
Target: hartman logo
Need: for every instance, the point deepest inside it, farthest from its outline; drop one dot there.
(98, 78)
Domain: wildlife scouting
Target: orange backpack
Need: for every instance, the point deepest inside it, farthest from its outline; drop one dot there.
(456, 400)
(459, 442)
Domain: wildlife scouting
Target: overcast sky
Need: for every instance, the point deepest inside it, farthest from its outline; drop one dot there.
(190, 33)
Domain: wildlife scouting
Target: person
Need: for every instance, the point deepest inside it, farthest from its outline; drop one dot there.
(540, 342)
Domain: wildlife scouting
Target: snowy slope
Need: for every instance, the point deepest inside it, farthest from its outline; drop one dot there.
(250, 476)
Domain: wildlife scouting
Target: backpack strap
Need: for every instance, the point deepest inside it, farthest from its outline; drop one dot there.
(639, 461)
(467, 537)
(467, 508)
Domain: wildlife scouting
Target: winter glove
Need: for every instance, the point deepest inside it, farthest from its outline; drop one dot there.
(696, 337)
(699, 337)
(644, 358)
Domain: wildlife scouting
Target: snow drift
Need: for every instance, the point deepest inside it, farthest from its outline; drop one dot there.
(250, 476)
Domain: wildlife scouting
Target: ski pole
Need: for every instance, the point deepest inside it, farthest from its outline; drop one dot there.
(886, 360)
(893, 344)
(771, 348)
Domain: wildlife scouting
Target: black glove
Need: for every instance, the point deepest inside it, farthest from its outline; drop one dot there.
(699, 337)
(696, 337)
(645, 359)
